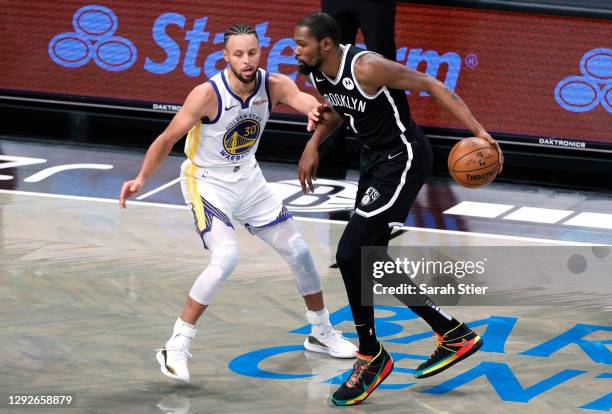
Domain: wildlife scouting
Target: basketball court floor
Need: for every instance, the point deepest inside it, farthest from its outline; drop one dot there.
(88, 291)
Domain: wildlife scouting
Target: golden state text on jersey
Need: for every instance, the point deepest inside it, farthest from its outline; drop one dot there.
(241, 136)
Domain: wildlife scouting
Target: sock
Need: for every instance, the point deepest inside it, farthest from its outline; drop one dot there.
(440, 321)
(181, 322)
(319, 321)
(182, 334)
(368, 343)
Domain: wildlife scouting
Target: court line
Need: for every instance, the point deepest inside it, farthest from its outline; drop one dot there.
(307, 219)
(158, 189)
(96, 199)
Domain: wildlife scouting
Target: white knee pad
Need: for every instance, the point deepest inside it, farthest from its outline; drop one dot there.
(224, 260)
(226, 257)
(286, 239)
(305, 274)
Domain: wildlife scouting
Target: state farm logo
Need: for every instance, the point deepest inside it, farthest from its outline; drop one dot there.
(585, 92)
(93, 38)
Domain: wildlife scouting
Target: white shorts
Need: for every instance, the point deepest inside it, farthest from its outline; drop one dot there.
(216, 194)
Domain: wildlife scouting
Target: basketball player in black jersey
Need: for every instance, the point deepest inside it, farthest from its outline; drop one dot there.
(368, 90)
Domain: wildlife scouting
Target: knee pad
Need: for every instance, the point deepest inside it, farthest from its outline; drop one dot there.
(223, 262)
(300, 252)
(305, 274)
(226, 258)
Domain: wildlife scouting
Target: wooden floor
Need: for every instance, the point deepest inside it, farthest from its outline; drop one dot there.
(87, 292)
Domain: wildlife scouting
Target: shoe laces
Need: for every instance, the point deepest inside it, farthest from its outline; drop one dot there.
(439, 344)
(183, 354)
(335, 335)
(179, 346)
(338, 337)
(358, 369)
(441, 341)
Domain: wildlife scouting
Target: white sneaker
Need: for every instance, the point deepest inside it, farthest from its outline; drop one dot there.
(332, 343)
(173, 358)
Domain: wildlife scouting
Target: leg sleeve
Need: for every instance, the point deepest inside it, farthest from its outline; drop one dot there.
(287, 241)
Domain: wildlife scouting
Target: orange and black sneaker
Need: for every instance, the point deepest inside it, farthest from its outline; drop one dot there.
(368, 373)
(456, 345)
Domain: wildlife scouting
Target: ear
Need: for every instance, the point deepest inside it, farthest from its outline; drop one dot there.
(226, 55)
(326, 43)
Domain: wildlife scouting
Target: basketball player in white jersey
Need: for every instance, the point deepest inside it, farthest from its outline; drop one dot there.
(221, 180)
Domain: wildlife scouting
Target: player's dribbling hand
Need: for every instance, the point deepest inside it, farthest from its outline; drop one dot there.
(308, 165)
(314, 116)
(128, 189)
(485, 135)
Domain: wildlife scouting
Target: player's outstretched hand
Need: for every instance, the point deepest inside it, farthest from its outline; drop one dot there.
(485, 135)
(314, 116)
(308, 165)
(128, 189)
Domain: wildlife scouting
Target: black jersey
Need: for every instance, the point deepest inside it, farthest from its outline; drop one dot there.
(378, 120)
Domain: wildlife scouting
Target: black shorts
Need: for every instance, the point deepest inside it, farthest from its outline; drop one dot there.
(391, 177)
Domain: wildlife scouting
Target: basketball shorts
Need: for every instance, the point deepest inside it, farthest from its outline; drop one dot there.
(215, 194)
(391, 177)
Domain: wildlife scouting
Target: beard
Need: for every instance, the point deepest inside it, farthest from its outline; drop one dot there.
(306, 69)
(242, 78)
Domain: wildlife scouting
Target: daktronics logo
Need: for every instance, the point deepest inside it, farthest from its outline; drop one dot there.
(95, 26)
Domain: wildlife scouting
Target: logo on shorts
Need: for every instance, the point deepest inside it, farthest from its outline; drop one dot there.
(370, 196)
(239, 139)
(348, 84)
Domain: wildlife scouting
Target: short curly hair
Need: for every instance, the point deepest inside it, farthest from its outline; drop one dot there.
(320, 26)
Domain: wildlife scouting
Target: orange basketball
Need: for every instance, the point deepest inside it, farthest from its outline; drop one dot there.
(473, 162)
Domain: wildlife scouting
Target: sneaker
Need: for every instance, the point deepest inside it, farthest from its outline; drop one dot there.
(368, 373)
(454, 346)
(173, 357)
(331, 342)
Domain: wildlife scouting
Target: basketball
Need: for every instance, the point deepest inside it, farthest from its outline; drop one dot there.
(473, 162)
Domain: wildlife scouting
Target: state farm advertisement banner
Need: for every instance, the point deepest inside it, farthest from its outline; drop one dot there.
(545, 77)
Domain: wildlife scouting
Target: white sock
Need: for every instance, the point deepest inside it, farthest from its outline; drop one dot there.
(319, 321)
(182, 334)
(183, 323)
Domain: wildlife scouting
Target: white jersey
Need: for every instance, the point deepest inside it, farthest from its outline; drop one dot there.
(225, 146)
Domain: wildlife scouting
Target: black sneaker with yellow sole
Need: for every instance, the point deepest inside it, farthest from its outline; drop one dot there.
(454, 346)
(368, 373)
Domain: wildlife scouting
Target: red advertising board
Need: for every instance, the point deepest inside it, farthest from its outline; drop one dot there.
(547, 77)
